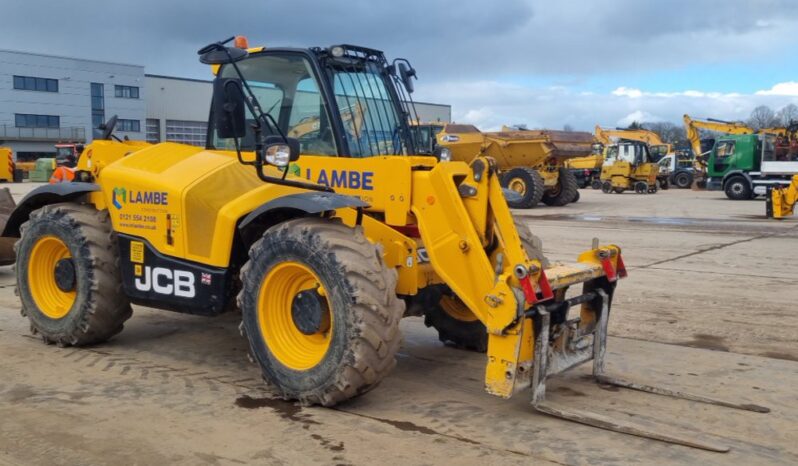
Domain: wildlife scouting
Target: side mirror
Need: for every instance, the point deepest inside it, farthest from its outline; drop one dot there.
(406, 74)
(279, 152)
(228, 108)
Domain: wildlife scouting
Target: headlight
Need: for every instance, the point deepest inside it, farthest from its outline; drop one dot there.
(278, 155)
(337, 51)
(445, 155)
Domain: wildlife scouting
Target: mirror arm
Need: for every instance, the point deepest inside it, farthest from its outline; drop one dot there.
(292, 183)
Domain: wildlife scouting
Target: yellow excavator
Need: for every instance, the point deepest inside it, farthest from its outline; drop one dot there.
(692, 127)
(588, 170)
(322, 265)
(657, 148)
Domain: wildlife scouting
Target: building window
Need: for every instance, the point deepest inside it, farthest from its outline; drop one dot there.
(97, 104)
(126, 92)
(129, 126)
(29, 83)
(25, 120)
(153, 130)
(187, 132)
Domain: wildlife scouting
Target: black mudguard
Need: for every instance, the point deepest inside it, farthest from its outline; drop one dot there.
(42, 196)
(310, 202)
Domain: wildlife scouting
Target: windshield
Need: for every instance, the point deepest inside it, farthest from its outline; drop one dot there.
(658, 151)
(63, 152)
(425, 137)
(288, 89)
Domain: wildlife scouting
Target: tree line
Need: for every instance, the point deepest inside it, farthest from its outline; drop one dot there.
(761, 117)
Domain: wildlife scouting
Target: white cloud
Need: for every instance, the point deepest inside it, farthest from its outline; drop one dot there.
(628, 92)
(491, 104)
(638, 116)
(787, 88)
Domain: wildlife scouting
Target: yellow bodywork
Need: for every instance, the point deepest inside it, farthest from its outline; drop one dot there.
(187, 202)
(6, 164)
(782, 200)
(590, 162)
(604, 136)
(515, 148)
(544, 151)
(623, 175)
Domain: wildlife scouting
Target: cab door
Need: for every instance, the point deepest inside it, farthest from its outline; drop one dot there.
(722, 155)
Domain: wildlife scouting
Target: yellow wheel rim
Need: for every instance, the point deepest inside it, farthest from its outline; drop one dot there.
(49, 298)
(294, 349)
(517, 185)
(457, 309)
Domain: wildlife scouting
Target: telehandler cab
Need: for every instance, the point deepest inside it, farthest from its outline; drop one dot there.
(322, 266)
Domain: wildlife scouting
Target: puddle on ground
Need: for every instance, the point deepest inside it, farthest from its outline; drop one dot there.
(677, 221)
(285, 409)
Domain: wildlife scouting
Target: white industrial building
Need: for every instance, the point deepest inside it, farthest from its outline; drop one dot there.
(47, 99)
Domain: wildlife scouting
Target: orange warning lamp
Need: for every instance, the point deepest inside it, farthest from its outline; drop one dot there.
(241, 42)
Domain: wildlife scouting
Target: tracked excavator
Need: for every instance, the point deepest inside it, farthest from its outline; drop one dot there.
(656, 147)
(321, 265)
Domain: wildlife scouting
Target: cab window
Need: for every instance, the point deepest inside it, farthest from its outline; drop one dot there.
(724, 150)
(371, 123)
(287, 89)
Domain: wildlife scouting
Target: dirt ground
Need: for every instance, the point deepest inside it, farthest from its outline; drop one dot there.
(709, 306)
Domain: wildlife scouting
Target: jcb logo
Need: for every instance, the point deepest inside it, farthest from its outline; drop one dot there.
(165, 281)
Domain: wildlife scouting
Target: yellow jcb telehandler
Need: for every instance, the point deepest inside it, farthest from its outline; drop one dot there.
(322, 266)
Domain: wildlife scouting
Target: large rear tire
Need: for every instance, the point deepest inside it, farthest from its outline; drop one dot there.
(68, 276)
(527, 183)
(456, 324)
(565, 191)
(320, 311)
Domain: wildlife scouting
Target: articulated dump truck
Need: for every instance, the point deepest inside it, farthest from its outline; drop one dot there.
(321, 253)
(531, 163)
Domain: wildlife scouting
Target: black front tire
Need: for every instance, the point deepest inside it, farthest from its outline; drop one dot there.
(362, 296)
(100, 307)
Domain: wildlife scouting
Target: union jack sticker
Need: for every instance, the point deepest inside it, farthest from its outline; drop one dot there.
(206, 278)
